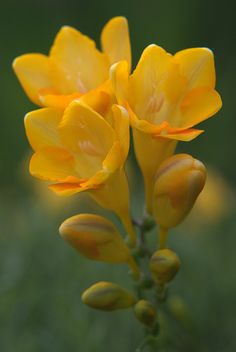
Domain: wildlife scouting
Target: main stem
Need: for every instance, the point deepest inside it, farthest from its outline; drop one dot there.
(150, 338)
(163, 234)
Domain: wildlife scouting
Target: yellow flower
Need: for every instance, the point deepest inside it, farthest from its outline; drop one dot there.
(74, 67)
(166, 96)
(97, 238)
(108, 296)
(179, 181)
(79, 150)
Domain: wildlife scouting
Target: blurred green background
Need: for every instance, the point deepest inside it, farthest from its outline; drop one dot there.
(41, 278)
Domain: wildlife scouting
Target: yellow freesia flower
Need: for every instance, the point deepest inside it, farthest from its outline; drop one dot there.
(98, 239)
(166, 96)
(79, 150)
(74, 67)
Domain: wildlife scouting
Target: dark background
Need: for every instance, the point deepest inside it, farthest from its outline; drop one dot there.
(41, 278)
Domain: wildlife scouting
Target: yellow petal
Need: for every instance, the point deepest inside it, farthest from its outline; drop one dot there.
(184, 135)
(73, 186)
(119, 75)
(121, 127)
(85, 133)
(41, 127)
(148, 83)
(84, 130)
(95, 237)
(79, 66)
(161, 132)
(54, 164)
(197, 64)
(114, 159)
(58, 101)
(33, 72)
(100, 99)
(115, 40)
(198, 105)
(67, 188)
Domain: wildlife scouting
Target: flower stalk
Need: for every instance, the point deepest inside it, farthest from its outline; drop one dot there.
(89, 101)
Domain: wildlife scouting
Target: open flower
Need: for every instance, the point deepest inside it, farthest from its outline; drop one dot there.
(78, 150)
(166, 96)
(74, 67)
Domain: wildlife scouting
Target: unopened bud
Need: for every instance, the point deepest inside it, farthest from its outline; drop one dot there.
(108, 296)
(179, 181)
(95, 237)
(145, 312)
(164, 265)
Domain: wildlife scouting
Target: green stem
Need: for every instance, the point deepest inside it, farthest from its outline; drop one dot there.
(124, 216)
(163, 234)
(148, 341)
(134, 268)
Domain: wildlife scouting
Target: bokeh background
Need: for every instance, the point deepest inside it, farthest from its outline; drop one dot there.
(41, 278)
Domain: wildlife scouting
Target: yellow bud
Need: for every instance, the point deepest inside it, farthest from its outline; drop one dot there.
(98, 239)
(145, 312)
(95, 237)
(164, 265)
(179, 181)
(108, 296)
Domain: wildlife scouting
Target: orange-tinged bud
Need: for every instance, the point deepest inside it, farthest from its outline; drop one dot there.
(108, 296)
(145, 312)
(179, 181)
(164, 265)
(97, 238)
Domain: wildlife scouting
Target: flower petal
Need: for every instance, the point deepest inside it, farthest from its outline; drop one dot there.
(83, 130)
(58, 101)
(121, 127)
(53, 164)
(164, 130)
(179, 134)
(148, 83)
(74, 186)
(198, 105)
(33, 72)
(113, 159)
(86, 134)
(41, 127)
(100, 99)
(67, 188)
(197, 64)
(115, 40)
(79, 65)
(119, 75)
